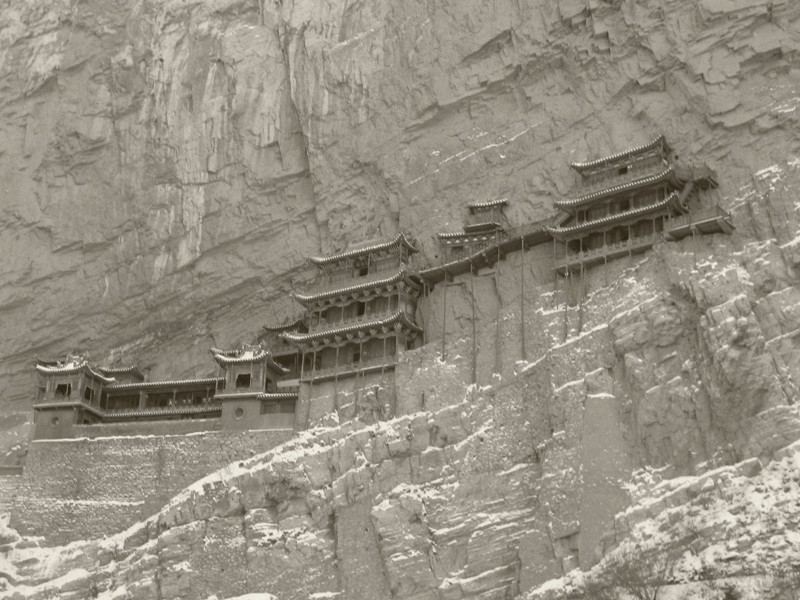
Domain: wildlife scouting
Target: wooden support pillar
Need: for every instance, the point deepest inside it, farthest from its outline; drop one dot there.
(302, 363)
(522, 301)
(497, 325)
(474, 335)
(383, 359)
(444, 316)
(629, 241)
(336, 382)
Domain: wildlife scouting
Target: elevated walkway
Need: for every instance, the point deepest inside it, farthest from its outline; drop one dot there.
(488, 253)
(711, 220)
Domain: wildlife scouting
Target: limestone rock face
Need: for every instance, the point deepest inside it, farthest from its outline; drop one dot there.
(167, 167)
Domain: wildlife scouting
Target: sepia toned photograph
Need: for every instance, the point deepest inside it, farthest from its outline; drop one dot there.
(399, 299)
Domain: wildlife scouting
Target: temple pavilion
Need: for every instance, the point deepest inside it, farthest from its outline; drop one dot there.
(72, 392)
(248, 394)
(359, 312)
(628, 202)
(252, 399)
(485, 225)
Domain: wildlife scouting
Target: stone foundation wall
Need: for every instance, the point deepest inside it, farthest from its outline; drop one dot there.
(85, 488)
(8, 489)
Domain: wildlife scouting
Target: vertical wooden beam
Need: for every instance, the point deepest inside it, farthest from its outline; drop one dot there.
(522, 299)
(474, 335)
(444, 316)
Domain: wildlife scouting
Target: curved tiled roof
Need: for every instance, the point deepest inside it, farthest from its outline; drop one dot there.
(277, 396)
(399, 316)
(293, 326)
(611, 219)
(144, 385)
(400, 239)
(73, 364)
(130, 370)
(583, 166)
(399, 275)
(161, 412)
(487, 204)
(245, 355)
(466, 236)
(630, 185)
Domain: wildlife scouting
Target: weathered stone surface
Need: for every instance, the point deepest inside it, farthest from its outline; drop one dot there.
(167, 166)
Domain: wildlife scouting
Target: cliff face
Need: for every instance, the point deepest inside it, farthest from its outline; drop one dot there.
(168, 166)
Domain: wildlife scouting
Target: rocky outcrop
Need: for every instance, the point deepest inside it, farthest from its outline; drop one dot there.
(168, 166)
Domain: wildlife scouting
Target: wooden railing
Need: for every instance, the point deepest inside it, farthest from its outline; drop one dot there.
(347, 368)
(699, 216)
(635, 243)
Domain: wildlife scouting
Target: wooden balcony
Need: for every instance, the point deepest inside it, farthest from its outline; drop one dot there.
(710, 220)
(367, 365)
(573, 260)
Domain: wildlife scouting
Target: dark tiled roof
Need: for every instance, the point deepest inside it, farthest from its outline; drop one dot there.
(487, 204)
(673, 199)
(403, 273)
(299, 323)
(583, 166)
(146, 385)
(246, 355)
(130, 370)
(667, 173)
(399, 316)
(400, 239)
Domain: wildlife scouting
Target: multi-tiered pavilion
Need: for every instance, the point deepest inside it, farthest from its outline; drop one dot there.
(360, 314)
(628, 202)
(484, 226)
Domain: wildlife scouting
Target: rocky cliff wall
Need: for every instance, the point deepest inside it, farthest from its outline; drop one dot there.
(245, 137)
(168, 166)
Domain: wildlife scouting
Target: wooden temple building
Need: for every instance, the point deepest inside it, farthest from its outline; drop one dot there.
(72, 392)
(251, 398)
(485, 225)
(359, 313)
(628, 202)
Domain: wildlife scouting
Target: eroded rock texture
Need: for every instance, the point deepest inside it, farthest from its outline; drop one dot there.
(167, 166)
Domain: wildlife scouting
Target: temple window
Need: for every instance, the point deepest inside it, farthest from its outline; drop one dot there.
(622, 170)
(63, 390)
(356, 356)
(88, 394)
(361, 308)
(243, 380)
(41, 393)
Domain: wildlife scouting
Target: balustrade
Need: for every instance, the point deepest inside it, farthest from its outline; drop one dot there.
(343, 369)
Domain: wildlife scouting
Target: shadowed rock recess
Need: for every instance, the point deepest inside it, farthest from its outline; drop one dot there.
(167, 166)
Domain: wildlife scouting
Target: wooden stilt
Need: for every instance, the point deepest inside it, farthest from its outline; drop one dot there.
(522, 302)
(474, 343)
(444, 316)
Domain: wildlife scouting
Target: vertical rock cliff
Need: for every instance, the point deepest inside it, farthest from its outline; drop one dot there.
(167, 167)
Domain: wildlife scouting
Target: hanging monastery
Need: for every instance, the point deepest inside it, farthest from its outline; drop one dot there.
(361, 314)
